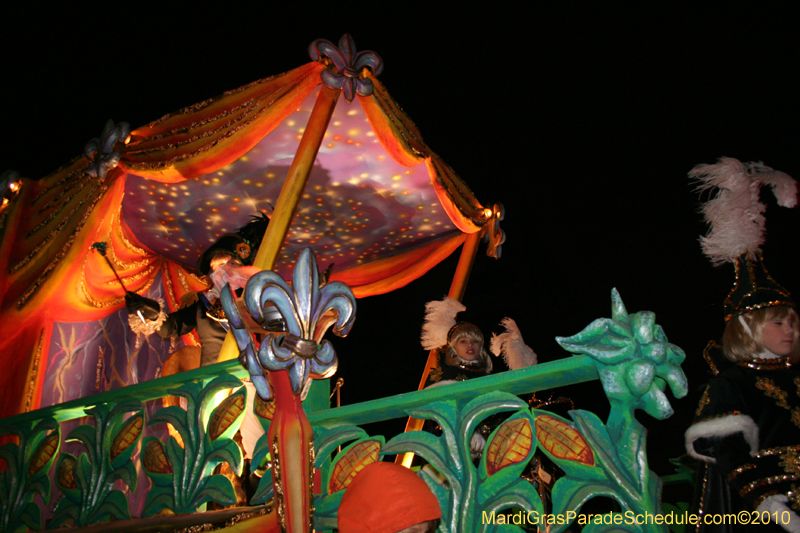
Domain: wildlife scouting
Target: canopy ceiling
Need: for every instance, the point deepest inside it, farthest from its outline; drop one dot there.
(379, 205)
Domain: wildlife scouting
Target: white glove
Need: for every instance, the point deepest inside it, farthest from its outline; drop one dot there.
(775, 506)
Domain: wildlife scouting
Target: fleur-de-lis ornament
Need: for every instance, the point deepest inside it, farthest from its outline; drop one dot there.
(493, 234)
(100, 151)
(348, 65)
(281, 367)
(304, 307)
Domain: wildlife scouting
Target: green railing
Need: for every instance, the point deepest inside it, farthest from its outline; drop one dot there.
(121, 445)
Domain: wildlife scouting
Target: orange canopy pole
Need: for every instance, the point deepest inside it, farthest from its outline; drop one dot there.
(292, 190)
(296, 178)
(290, 433)
(457, 288)
(464, 268)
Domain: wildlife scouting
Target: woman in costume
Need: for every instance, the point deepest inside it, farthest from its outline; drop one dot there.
(461, 355)
(747, 425)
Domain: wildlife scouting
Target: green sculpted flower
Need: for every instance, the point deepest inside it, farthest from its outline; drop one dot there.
(633, 357)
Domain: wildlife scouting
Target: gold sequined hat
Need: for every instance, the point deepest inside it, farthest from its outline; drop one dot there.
(754, 288)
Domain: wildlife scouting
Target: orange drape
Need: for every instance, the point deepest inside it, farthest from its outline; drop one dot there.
(50, 274)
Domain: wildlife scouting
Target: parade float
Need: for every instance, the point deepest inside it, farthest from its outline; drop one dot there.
(347, 180)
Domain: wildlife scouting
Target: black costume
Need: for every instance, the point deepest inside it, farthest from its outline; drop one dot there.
(462, 372)
(747, 427)
(183, 321)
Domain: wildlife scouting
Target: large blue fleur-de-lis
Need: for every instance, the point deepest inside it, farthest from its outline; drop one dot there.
(301, 350)
(348, 64)
(100, 151)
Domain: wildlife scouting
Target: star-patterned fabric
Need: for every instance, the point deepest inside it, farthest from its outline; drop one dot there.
(379, 205)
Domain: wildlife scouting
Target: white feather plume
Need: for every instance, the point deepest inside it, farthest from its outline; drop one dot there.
(440, 316)
(510, 345)
(734, 214)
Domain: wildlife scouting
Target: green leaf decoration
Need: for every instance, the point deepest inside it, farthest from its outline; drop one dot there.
(517, 492)
(114, 506)
(609, 457)
(127, 474)
(31, 516)
(444, 414)
(265, 490)
(88, 480)
(441, 493)
(325, 510)
(226, 452)
(426, 446)
(328, 439)
(158, 498)
(570, 494)
(173, 415)
(217, 488)
(28, 462)
(469, 493)
(84, 434)
(261, 451)
(206, 433)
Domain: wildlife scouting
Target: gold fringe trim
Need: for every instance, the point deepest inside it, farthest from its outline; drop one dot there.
(183, 281)
(205, 103)
(704, 401)
(65, 179)
(133, 277)
(167, 280)
(121, 234)
(64, 190)
(50, 236)
(777, 451)
(235, 126)
(747, 489)
(57, 259)
(200, 279)
(34, 373)
(736, 471)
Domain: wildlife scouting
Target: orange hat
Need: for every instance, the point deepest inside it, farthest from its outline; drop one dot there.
(386, 498)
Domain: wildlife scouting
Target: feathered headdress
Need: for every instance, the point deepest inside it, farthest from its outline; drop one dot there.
(734, 214)
(440, 317)
(510, 345)
(737, 227)
(242, 244)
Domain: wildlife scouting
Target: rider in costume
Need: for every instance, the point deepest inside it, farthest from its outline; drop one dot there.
(747, 425)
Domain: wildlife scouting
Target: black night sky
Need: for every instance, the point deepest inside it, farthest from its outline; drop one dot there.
(583, 123)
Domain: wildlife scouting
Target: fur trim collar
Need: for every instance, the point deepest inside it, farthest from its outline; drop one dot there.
(722, 427)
